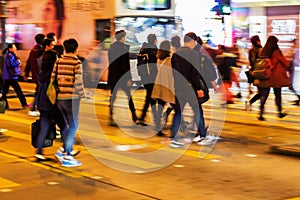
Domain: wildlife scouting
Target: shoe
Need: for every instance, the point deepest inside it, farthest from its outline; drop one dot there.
(261, 118)
(229, 102)
(59, 155)
(238, 95)
(176, 144)
(34, 113)
(160, 134)
(296, 103)
(70, 161)
(27, 106)
(206, 141)
(282, 115)
(248, 106)
(198, 138)
(142, 123)
(61, 152)
(41, 158)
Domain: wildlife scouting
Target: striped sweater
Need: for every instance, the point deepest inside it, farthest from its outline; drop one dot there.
(69, 77)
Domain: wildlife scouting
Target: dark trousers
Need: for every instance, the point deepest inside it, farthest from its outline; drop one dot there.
(157, 111)
(113, 97)
(264, 96)
(45, 119)
(256, 96)
(34, 105)
(15, 85)
(148, 100)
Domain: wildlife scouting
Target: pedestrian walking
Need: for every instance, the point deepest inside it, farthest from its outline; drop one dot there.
(163, 89)
(278, 77)
(147, 69)
(71, 90)
(10, 74)
(254, 54)
(188, 87)
(32, 66)
(48, 111)
(119, 76)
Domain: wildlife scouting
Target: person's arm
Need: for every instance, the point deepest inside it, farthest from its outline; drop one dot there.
(78, 84)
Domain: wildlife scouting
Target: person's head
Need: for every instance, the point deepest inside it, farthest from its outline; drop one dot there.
(52, 36)
(71, 45)
(39, 38)
(190, 40)
(199, 44)
(48, 44)
(270, 46)
(175, 41)
(151, 38)
(10, 47)
(48, 60)
(54, 15)
(255, 40)
(120, 35)
(164, 49)
(59, 49)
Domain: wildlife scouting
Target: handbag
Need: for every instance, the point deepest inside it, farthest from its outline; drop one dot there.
(35, 129)
(262, 69)
(52, 89)
(205, 90)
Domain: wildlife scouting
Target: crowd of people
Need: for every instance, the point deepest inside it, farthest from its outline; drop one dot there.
(172, 75)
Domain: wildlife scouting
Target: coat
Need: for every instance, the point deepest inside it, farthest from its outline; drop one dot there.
(279, 77)
(32, 63)
(11, 67)
(164, 83)
(118, 56)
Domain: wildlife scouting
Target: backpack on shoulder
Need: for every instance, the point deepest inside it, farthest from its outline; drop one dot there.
(142, 65)
(262, 69)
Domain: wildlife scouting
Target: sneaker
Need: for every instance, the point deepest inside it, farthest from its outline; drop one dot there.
(61, 151)
(198, 138)
(206, 141)
(176, 144)
(261, 118)
(41, 158)
(282, 115)
(34, 113)
(59, 155)
(160, 134)
(70, 161)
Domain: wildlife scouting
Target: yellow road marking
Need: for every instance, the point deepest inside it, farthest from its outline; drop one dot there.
(5, 183)
(295, 198)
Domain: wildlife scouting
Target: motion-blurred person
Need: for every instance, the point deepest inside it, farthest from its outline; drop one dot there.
(163, 89)
(292, 55)
(254, 54)
(10, 74)
(32, 66)
(71, 90)
(278, 78)
(119, 76)
(147, 68)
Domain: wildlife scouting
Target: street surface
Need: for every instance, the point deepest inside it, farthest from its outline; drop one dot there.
(131, 162)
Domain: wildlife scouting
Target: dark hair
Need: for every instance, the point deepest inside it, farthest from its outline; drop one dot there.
(199, 40)
(164, 50)
(175, 41)
(51, 35)
(39, 38)
(119, 34)
(254, 40)
(151, 38)
(270, 46)
(70, 45)
(10, 45)
(190, 36)
(48, 60)
(59, 49)
(47, 42)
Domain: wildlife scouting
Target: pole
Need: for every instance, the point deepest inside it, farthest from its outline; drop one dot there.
(3, 21)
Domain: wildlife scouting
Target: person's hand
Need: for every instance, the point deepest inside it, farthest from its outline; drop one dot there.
(200, 93)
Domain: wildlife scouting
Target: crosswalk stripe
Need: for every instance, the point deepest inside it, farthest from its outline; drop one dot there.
(5, 183)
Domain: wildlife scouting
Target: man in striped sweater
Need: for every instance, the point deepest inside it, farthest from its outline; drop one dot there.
(69, 76)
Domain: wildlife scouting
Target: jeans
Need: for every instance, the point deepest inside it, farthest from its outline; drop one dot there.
(157, 113)
(198, 116)
(34, 105)
(264, 96)
(45, 119)
(70, 111)
(15, 85)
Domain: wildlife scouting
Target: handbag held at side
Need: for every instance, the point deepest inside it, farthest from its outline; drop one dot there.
(35, 129)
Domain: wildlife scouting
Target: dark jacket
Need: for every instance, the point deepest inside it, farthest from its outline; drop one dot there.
(118, 57)
(32, 64)
(254, 53)
(279, 76)
(207, 69)
(186, 62)
(148, 72)
(11, 67)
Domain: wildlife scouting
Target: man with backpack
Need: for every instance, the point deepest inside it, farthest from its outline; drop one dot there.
(147, 70)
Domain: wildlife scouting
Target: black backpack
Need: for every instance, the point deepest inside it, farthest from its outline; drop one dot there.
(262, 68)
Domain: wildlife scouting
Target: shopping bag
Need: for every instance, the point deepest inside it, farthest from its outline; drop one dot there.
(2, 106)
(35, 129)
(52, 90)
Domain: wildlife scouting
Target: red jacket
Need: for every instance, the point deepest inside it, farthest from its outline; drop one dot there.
(279, 76)
(31, 64)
